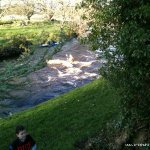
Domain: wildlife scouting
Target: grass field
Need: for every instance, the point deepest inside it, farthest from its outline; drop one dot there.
(35, 32)
(59, 123)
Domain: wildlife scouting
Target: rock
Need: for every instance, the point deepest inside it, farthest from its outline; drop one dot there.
(19, 93)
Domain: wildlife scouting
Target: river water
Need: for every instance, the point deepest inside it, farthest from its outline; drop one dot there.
(74, 66)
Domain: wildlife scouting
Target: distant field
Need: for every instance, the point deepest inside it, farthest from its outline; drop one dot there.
(35, 32)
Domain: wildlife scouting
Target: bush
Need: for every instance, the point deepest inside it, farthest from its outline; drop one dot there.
(15, 46)
(6, 22)
(125, 25)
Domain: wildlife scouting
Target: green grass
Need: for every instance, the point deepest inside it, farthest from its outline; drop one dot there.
(59, 123)
(34, 32)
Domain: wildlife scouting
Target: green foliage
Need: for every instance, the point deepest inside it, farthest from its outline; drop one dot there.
(27, 8)
(32, 31)
(16, 45)
(125, 25)
(6, 22)
(37, 32)
(59, 123)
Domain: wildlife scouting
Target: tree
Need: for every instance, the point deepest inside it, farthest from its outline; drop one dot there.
(125, 25)
(4, 8)
(2, 12)
(47, 7)
(71, 14)
(28, 8)
(62, 11)
(24, 7)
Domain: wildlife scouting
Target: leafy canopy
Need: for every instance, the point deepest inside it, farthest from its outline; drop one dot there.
(125, 25)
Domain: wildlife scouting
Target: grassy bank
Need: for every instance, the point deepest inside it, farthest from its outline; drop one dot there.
(59, 123)
(35, 32)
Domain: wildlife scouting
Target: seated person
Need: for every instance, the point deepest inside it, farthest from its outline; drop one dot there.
(24, 141)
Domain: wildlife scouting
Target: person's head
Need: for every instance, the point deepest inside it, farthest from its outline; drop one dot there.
(21, 132)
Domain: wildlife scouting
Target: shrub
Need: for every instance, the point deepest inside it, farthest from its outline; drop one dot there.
(15, 46)
(6, 22)
(125, 25)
